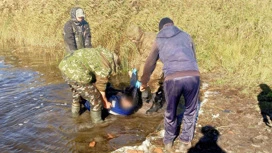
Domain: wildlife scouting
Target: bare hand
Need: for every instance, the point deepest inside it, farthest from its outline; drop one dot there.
(130, 74)
(143, 87)
(107, 105)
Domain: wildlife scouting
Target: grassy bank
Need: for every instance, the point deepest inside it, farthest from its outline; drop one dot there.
(232, 37)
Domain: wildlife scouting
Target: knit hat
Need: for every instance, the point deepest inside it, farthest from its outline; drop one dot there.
(164, 21)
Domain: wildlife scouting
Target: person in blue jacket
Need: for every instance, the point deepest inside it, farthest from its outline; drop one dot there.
(124, 102)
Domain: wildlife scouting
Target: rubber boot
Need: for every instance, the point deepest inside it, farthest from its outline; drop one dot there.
(96, 116)
(156, 105)
(146, 96)
(75, 109)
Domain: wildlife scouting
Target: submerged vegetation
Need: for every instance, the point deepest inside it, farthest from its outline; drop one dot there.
(232, 37)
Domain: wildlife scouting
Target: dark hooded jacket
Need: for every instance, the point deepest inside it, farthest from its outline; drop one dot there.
(175, 49)
(77, 35)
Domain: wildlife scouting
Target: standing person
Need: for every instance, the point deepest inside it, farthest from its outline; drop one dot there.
(87, 72)
(77, 32)
(143, 42)
(175, 49)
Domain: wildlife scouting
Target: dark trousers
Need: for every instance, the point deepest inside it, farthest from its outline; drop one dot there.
(188, 87)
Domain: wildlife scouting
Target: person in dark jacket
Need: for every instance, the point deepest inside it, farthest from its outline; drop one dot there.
(175, 49)
(77, 32)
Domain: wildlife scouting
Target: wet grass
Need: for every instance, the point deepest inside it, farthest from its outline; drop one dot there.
(232, 37)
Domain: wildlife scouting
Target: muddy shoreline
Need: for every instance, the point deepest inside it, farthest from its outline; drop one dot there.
(33, 82)
(236, 118)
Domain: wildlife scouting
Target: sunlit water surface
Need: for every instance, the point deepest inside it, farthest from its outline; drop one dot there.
(35, 111)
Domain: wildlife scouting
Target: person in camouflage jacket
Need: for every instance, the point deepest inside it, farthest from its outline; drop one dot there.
(87, 72)
(144, 42)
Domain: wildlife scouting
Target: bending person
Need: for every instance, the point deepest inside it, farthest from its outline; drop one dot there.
(143, 42)
(87, 71)
(175, 49)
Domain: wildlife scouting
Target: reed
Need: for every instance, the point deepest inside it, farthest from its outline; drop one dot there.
(232, 37)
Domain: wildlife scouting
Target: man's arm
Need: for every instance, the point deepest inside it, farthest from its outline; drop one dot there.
(69, 36)
(87, 35)
(101, 84)
(106, 103)
(150, 65)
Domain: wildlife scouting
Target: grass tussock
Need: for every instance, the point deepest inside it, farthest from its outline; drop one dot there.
(232, 37)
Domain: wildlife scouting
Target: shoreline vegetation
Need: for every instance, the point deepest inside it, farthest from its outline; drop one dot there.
(233, 38)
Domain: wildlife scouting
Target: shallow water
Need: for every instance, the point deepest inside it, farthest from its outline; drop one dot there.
(35, 111)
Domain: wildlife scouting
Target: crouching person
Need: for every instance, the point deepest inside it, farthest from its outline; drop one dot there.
(143, 42)
(175, 49)
(87, 72)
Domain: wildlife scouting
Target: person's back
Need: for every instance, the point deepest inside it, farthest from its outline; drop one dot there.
(88, 63)
(182, 78)
(176, 52)
(77, 33)
(87, 71)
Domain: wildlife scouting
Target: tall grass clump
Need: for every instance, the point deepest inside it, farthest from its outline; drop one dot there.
(233, 38)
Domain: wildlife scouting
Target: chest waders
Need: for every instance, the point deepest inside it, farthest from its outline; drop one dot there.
(79, 35)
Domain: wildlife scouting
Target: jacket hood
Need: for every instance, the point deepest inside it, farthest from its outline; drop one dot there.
(168, 32)
(73, 13)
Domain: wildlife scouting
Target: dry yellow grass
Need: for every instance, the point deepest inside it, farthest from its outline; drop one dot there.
(232, 37)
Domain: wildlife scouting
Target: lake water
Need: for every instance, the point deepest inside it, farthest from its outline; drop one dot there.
(35, 111)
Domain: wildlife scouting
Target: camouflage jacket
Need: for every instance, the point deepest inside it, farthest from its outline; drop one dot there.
(146, 43)
(89, 65)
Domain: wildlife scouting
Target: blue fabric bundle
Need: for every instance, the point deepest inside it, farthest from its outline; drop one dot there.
(116, 99)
